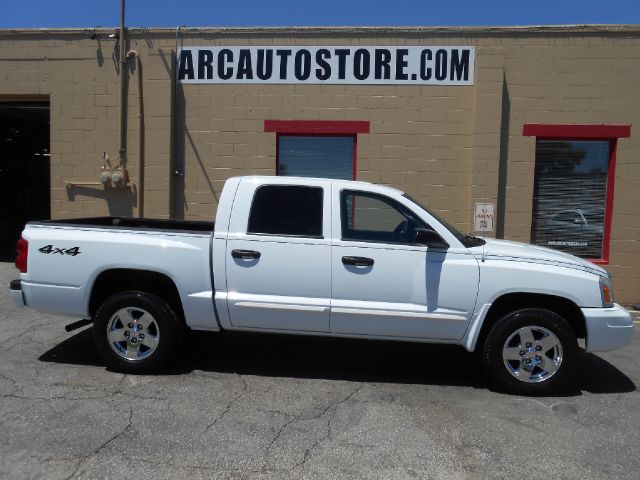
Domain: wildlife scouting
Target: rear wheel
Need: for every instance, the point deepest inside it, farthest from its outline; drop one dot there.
(530, 351)
(136, 332)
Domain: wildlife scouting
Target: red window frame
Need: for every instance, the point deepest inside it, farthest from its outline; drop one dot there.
(319, 128)
(610, 133)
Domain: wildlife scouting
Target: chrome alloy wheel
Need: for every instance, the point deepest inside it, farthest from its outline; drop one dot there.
(133, 333)
(532, 354)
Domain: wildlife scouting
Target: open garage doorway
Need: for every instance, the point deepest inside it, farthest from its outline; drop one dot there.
(24, 169)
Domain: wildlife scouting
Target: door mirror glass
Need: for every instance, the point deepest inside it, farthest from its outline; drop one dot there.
(430, 238)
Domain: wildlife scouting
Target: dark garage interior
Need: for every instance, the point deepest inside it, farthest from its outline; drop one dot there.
(24, 169)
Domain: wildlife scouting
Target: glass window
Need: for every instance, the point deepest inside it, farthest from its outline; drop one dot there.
(569, 197)
(316, 156)
(369, 217)
(286, 210)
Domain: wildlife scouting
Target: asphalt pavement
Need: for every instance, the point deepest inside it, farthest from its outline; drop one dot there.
(272, 407)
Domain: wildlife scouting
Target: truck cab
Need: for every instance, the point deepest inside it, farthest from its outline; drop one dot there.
(315, 255)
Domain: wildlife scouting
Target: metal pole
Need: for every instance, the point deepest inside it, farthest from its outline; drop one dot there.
(140, 139)
(123, 98)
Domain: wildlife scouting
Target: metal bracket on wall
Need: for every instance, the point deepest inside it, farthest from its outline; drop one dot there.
(70, 184)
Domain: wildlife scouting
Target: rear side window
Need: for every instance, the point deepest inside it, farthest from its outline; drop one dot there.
(286, 210)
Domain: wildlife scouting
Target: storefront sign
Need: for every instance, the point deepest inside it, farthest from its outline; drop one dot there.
(483, 217)
(398, 65)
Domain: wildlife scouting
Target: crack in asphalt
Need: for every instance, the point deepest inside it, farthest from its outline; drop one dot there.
(92, 393)
(28, 330)
(22, 341)
(308, 451)
(333, 406)
(103, 445)
(229, 405)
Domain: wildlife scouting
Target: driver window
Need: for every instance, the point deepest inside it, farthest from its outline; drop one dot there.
(369, 217)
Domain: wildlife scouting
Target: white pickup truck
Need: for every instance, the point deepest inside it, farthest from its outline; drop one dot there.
(321, 257)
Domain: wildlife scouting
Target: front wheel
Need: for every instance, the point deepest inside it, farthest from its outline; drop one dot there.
(136, 332)
(530, 351)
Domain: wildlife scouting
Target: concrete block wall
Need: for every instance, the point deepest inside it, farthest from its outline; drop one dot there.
(440, 144)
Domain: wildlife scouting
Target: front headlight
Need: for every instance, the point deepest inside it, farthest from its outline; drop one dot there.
(606, 291)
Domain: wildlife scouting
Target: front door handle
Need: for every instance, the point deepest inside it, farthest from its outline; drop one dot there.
(358, 261)
(245, 254)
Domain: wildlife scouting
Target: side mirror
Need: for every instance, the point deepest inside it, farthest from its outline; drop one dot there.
(430, 238)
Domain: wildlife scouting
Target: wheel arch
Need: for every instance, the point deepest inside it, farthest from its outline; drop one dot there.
(510, 302)
(112, 281)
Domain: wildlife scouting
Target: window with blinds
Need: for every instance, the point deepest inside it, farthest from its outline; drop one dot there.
(324, 156)
(569, 196)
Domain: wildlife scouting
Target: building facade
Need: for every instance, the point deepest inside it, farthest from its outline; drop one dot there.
(528, 133)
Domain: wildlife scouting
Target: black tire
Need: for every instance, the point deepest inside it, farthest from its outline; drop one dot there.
(508, 364)
(162, 335)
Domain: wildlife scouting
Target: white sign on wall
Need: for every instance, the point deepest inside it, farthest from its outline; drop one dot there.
(397, 65)
(483, 217)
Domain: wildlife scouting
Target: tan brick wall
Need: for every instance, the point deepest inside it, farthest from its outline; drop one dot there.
(441, 144)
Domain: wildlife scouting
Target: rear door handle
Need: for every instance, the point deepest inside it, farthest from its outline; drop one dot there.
(245, 254)
(358, 261)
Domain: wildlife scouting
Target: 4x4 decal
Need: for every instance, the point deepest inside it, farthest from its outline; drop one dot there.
(50, 249)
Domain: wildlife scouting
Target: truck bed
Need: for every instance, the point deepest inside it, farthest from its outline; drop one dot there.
(186, 226)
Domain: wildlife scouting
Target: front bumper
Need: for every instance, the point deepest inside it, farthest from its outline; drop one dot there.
(607, 328)
(16, 293)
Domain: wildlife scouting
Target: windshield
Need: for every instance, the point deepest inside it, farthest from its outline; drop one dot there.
(465, 239)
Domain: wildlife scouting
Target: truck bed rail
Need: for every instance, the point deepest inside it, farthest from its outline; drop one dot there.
(187, 226)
